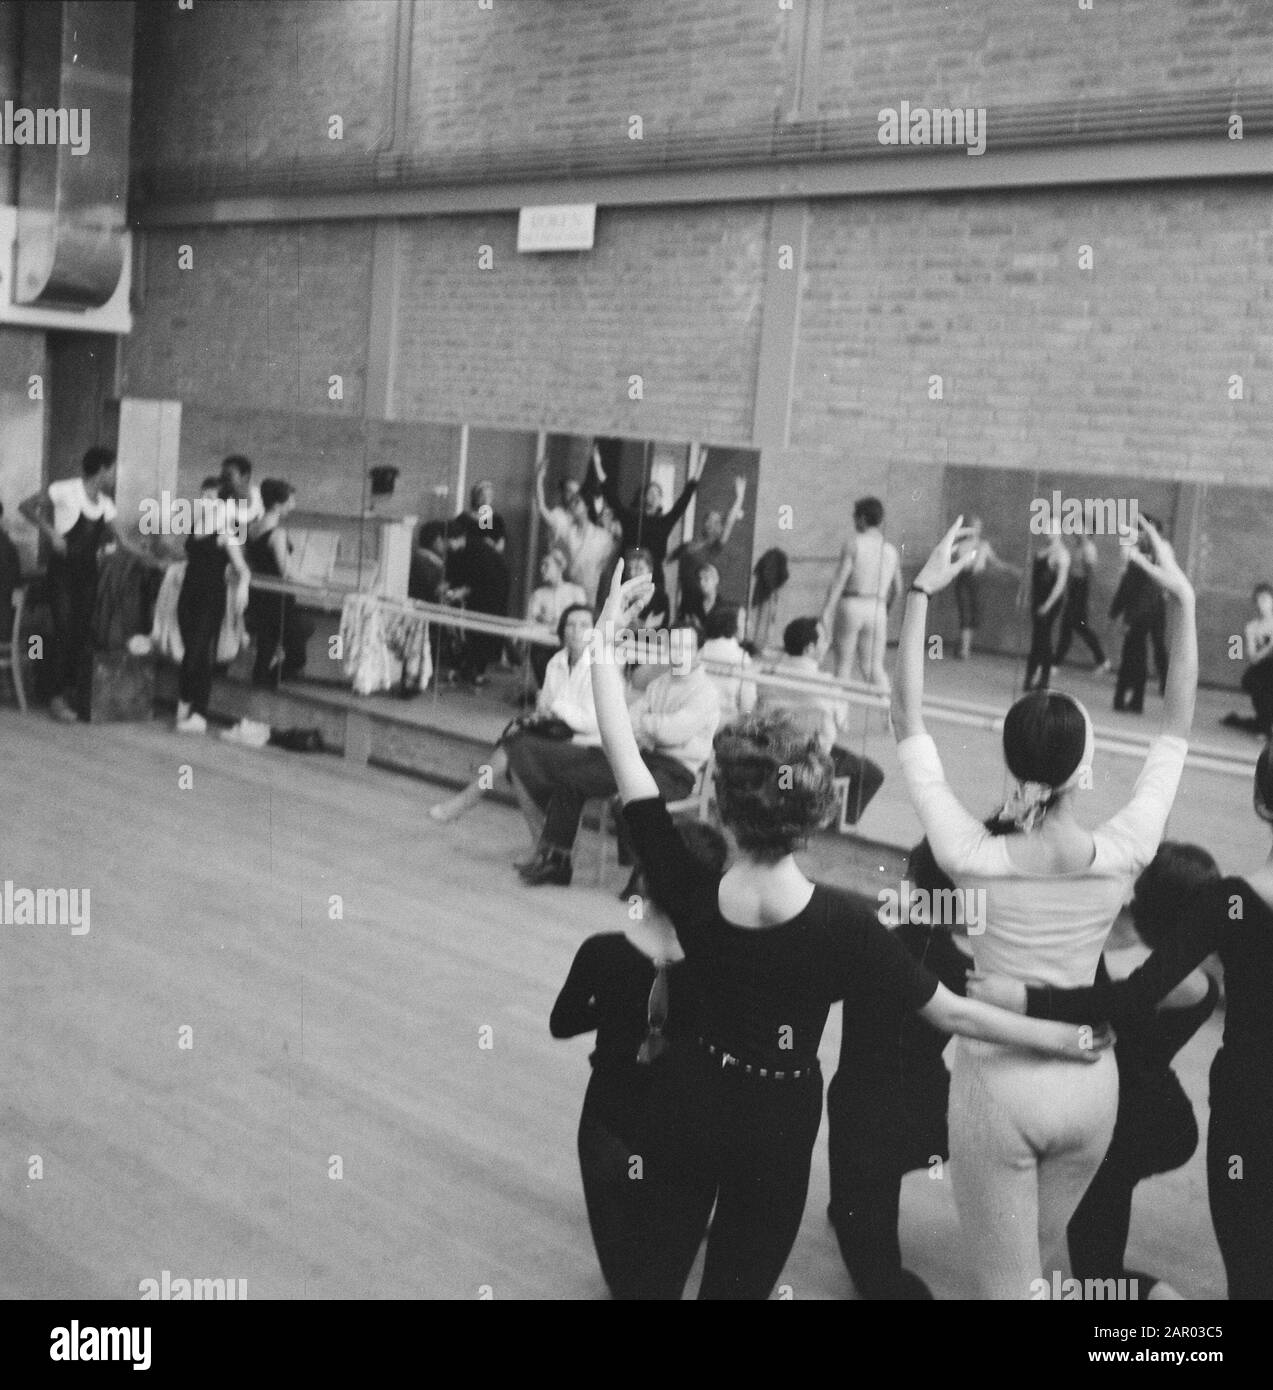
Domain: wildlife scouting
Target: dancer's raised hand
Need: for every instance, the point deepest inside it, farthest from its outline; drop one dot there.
(624, 602)
(1164, 569)
(949, 558)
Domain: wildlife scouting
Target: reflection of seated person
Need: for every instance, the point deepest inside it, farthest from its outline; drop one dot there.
(712, 540)
(428, 564)
(549, 602)
(723, 645)
(699, 597)
(563, 710)
(1257, 679)
(805, 643)
(479, 571)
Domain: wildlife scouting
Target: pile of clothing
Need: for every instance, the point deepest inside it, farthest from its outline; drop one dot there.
(384, 647)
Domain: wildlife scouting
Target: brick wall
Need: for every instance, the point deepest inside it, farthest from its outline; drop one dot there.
(243, 80)
(978, 52)
(262, 319)
(1123, 369)
(671, 295)
(543, 75)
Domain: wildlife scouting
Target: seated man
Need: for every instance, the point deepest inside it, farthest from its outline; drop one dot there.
(805, 642)
(674, 721)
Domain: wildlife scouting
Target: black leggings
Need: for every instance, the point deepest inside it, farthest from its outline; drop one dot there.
(200, 614)
(1257, 681)
(968, 600)
(1133, 666)
(872, 1143)
(1074, 620)
(72, 591)
(1040, 659)
(1240, 1185)
(746, 1145)
(1155, 1132)
(275, 622)
(618, 1176)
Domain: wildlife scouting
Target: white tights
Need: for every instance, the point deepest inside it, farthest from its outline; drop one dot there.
(1027, 1134)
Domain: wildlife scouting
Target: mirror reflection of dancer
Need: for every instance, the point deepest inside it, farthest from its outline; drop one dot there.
(1139, 602)
(867, 579)
(1048, 578)
(1074, 619)
(630, 989)
(1257, 679)
(968, 585)
(770, 951)
(1026, 1135)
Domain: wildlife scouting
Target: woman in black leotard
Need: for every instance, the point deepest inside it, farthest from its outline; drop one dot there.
(886, 1106)
(273, 619)
(201, 605)
(1156, 1130)
(768, 952)
(630, 989)
(1049, 576)
(1235, 917)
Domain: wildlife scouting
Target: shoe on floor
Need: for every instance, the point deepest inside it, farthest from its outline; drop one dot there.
(554, 868)
(61, 711)
(249, 732)
(192, 724)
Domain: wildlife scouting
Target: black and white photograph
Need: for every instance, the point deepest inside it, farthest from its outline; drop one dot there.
(636, 663)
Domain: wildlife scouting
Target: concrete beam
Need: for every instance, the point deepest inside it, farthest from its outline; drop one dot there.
(894, 172)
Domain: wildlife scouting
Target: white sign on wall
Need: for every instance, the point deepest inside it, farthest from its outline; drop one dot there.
(557, 227)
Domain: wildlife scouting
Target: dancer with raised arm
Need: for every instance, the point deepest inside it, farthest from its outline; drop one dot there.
(1027, 1135)
(1233, 916)
(769, 951)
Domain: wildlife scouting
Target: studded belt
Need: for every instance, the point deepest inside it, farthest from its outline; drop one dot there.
(728, 1060)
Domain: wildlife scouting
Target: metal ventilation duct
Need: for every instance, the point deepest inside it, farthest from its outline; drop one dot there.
(77, 62)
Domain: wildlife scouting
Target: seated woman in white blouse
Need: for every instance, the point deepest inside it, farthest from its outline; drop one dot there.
(566, 696)
(1028, 1133)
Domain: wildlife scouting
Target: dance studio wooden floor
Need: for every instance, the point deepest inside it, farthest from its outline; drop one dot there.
(313, 1037)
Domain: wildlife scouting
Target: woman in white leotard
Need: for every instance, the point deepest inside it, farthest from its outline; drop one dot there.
(1027, 1134)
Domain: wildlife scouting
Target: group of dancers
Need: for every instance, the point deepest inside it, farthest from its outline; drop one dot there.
(78, 518)
(867, 580)
(706, 1093)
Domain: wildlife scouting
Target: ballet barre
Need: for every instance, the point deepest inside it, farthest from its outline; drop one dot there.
(939, 709)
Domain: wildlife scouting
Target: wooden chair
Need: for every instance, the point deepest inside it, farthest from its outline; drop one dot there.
(11, 648)
(698, 804)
